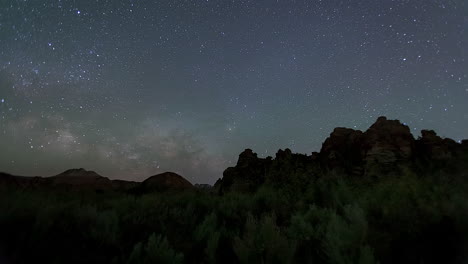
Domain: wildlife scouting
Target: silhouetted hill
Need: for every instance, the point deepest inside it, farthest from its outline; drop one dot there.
(81, 179)
(165, 181)
(79, 173)
(8, 180)
(387, 148)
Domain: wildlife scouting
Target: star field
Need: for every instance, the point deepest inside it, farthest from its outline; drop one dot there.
(134, 88)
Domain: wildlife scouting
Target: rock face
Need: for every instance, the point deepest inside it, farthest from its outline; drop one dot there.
(164, 182)
(251, 171)
(343, 150)
(386, 148)
(247, 174)
(433, 147)
(388, 141)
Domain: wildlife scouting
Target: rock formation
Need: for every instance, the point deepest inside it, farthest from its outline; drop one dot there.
(387, 148)
(383, 148)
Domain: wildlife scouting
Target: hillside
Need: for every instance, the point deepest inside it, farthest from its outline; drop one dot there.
(165, 181)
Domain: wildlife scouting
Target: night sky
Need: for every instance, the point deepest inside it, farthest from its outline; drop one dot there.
(134, 88)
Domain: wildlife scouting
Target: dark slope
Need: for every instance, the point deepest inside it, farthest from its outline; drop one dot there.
(165, 181)
(81, 179)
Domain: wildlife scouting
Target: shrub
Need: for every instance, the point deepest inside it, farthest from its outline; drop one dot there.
(156, 250)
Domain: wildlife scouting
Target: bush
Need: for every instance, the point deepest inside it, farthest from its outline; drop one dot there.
(156, 250)
(263, 242)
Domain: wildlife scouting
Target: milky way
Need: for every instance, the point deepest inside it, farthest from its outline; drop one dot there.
(134, 88)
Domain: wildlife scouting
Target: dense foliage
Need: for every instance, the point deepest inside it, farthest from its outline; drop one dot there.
(332, 219)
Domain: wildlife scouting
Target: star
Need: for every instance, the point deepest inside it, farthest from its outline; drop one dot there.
(155, 76)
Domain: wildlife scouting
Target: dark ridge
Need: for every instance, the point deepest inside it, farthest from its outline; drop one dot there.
(387, 148)
(165, 181)
(78, 173)
(81, 179)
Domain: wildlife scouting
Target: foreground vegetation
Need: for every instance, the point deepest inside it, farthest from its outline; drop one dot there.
(333, 219)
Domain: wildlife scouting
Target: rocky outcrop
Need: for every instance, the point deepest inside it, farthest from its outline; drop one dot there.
(247, 175)
(433, 147)
(386, 148)
(387, 142)
(250, 171)
(342, 149)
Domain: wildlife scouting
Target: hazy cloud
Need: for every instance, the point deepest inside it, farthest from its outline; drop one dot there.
(148, 148)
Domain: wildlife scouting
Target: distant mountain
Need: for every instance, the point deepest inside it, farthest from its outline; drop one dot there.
(387, 148)
(8, 180)
(79, 173)
(81, 179)
(165, 181)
